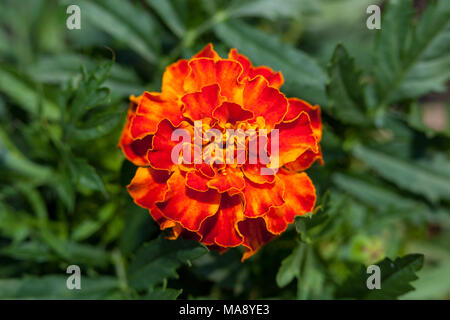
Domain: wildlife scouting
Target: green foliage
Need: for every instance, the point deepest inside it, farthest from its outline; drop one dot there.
(395, 279)
(383, 192)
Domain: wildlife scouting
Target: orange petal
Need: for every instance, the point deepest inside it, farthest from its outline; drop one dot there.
(295, 138)
(134, 150)
(187, 206)
(221, 228)
(297, 106)
(255, 235)
(299, 196)
(275, 79)
(229, 112)
(207, 52)
(228, 179)
(264, 101)
(305, 161)
(148, 186)
(259, 198)
(205, 72)
(199, 105)
(152, 109)
(160, 156)
(173, 79)
(253, 173)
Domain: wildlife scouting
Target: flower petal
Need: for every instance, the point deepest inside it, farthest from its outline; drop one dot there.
(152, 109)
(221, 229)
(229, 112)
(264, 101)
(187, 206)
(207, 52)
(148, 186)
(294, 139)
(160, 157)
(259, 198)
(199, 105)
(275, 79)
(305, 161)
(173, 79)
(255, 235)
(205, 72)
(297, 106)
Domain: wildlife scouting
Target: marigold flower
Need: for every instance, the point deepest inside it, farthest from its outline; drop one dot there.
(222, 204)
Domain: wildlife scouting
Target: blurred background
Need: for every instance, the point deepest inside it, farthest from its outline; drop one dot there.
(384, 191)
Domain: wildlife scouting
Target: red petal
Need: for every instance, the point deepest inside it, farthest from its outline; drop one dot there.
(264, 101)
(199, 105)
(255, 235)
(173, 79)
(297, 106)
(295, 138)
(259, 198)
(148, 186)
(187, 206)
(221, 228)
(229, 112)
(207, 52)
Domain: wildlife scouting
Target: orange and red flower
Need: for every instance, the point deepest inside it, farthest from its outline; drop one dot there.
(221, 205)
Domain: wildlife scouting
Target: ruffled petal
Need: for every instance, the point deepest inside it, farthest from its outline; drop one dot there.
(160, 157)
(173, 79)
(297, 106)
(221, 229)
(187, 206)
(259, 198)
(255, 235)
(275, 79)
(207, 52)
(264, 101)
(200, 105)
(148, 186)
(152, 109)
(294, 139)
(229, 112)
(206, 71)
(305, 161)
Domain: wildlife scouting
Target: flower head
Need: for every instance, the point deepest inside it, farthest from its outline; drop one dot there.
(221, 152)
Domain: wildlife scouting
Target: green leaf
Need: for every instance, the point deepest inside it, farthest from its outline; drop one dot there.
(395, 279)
(89, 93)
(412, 59)
(17, 88)
(302, 74)
(290, 266)
(162, 294)
(85, 175)
(422, 178)
(159, 260)
(266, 8)
(169, 15)
(126, 22)
(60, 68)
(96, 127)
(54, 287)
(345, 92)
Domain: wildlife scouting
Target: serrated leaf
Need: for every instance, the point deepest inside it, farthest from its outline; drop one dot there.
(412, 59)
(345, 92)
(85, 175)
(96, 127)
(159, 259)
(90, 93)
(395, 279)
(290, 266)
(423, 178)
(303, 76)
